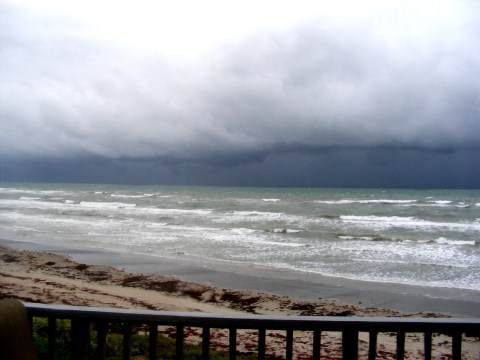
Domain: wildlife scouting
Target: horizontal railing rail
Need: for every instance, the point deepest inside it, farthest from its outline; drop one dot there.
(349, 327)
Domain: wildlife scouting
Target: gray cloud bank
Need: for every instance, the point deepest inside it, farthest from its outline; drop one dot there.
(317, 86)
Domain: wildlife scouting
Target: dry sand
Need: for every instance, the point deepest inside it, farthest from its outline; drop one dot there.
(55, 279)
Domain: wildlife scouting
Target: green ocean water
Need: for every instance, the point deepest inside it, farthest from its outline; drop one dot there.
(418, 237)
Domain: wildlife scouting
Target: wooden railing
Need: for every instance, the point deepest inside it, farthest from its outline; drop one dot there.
(350, 327)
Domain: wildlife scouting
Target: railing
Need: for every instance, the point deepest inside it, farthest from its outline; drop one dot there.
(350, 327)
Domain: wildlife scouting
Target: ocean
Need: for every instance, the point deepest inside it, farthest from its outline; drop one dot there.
(417, 237)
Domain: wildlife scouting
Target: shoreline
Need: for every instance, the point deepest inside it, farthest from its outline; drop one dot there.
(406, 299)
(38, 275)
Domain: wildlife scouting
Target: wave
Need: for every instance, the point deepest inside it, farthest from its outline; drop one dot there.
(271, 200)
(330, 217)
(361, 201)
(255, 216)
(407, 222)
(368, 237)
(128, 196)
(444, 241)
(33, 191)
(106, 205)
(283, 231)
(440, 241)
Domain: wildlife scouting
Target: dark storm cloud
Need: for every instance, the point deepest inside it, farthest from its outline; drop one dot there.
(334, 167)
(389, 82)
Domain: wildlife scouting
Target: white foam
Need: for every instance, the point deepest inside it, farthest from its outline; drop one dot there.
(374, 218)
(407, 222)
(445, 241)
(31, 204)
(128, 196)
(172, 211)
(105, 205)
(255, 216)
(441, 202)
(271, 200)
(348, 237)
(361, 201)
(286, 231)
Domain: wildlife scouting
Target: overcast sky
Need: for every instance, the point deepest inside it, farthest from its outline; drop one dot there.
(305, 93)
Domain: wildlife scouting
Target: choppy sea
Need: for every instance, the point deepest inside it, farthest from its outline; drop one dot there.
(418, 237)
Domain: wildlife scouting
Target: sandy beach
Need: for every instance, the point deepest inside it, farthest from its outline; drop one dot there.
(50, 278)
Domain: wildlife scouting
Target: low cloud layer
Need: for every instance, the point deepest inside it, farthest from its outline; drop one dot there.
(399, 76)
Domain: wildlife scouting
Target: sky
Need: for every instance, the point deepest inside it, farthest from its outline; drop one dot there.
(258, 93)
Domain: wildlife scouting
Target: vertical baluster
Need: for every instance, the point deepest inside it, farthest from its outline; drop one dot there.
(427, 341)
(127, 339)
(179, 342)
(317, 336)
(261, 344)
(101, 339)
(80, 338)
(457, 346)
(400, 345)
(52, 337)
(152, 341)
(205, 343)
(233, 343)
(350, 345)
(289, 347)
(372, 345)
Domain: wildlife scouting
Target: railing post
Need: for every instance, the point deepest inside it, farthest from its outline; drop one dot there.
(427, 341)
(232, 343)
(205, 343)
(317, 343)
(52, 337)
(127, 337)
(400, 345)
(261, 344)
(350, 345)
(372, 345)
(152, 341)
(80, 338)
(457, 346)
(179, 342)
(101, 339)
(289, 345)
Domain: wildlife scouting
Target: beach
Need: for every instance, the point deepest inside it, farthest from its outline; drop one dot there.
(54, 278)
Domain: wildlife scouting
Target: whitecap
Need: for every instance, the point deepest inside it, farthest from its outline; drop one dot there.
(127, 196)
(445, 241)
